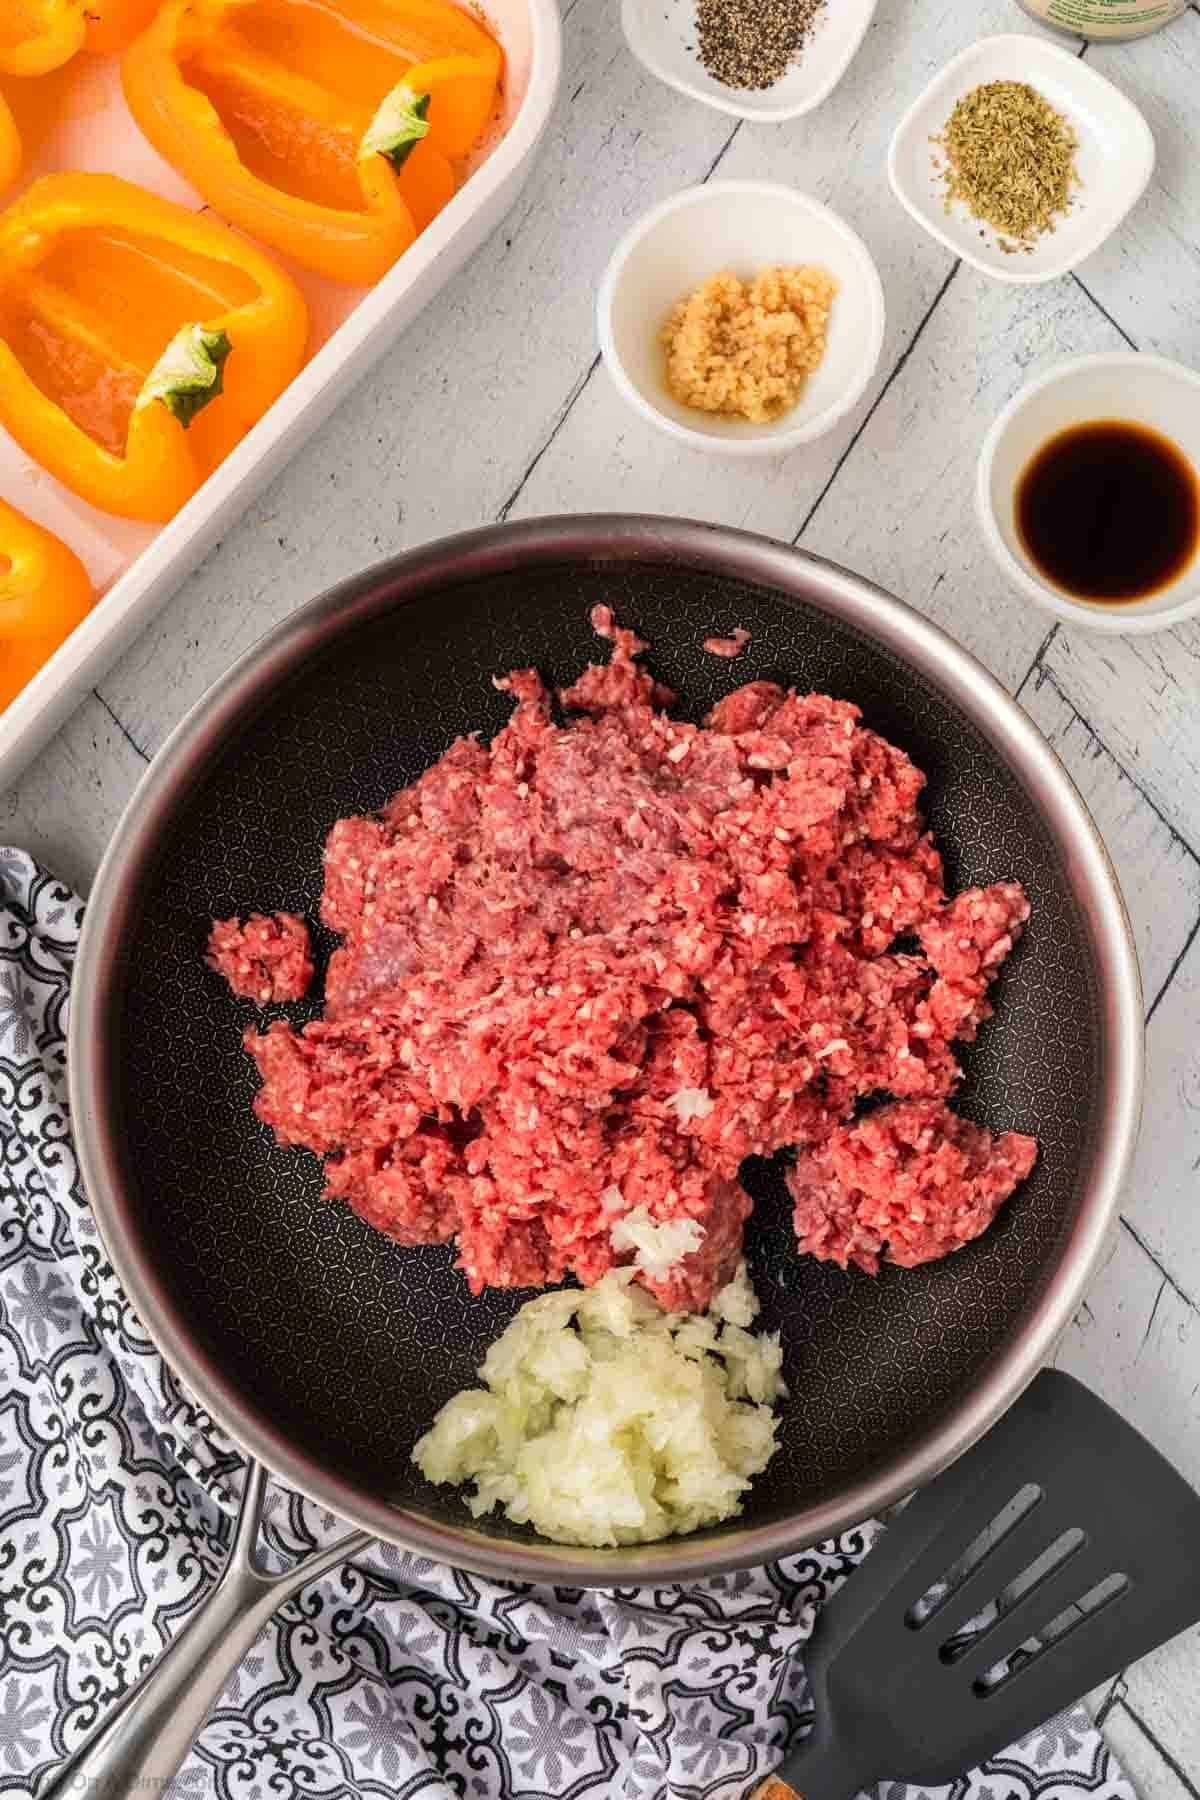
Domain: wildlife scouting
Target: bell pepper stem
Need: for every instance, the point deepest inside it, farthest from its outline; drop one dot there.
(398, 127)
(188, 374)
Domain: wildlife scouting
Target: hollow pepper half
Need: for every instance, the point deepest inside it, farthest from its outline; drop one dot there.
(44, 593)
(139, 342)
(10, 147)
(39, 35)
(326, 129)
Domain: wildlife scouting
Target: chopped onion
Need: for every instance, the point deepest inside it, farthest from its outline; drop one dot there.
(659, 1247)
(606, 1421)
(691, 1103)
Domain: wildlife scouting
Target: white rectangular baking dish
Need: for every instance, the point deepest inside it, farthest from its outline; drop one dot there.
(137, 567)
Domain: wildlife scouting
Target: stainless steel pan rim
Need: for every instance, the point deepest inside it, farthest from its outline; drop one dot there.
(625, 538)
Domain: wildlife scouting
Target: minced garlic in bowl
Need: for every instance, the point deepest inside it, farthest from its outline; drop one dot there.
(746, 348)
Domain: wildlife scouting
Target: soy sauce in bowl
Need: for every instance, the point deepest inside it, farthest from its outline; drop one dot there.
(1109, 511)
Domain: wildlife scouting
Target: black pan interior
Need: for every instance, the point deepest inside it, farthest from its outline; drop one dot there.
(349, 1343)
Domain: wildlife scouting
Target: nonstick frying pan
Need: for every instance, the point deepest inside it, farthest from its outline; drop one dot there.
(324, 1348)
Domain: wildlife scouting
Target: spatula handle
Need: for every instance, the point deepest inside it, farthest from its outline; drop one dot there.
(826, 1765)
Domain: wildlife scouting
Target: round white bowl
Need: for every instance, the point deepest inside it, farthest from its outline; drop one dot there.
(662, 35)
(742, 225)
(1121, 384)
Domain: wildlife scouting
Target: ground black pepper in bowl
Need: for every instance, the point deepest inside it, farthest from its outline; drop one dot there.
(752, 43)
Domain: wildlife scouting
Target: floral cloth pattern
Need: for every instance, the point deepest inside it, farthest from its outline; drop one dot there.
(392, 1677)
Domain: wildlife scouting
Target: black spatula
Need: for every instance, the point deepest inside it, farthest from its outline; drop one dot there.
(1058, 1550)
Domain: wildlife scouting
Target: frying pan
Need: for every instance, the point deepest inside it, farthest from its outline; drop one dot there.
(324, 1348)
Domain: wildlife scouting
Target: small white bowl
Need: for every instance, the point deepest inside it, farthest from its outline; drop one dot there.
(742, 225)
(1115, 158)
(1122, 384)
(662, 35)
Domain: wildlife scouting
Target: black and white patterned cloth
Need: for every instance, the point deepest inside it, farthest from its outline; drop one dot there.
(391, 1677)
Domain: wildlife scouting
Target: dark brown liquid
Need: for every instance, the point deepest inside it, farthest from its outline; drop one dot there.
(1110, 511)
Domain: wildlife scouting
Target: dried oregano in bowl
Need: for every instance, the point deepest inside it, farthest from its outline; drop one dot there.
(1010, 157)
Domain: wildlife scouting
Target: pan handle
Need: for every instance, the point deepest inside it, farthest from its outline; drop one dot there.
(139, 1745)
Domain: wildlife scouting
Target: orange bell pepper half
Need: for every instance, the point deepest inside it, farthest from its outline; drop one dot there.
(44, 593)
(39, 35)
(139, 342)
(10, 147)
(324, 127)
(113, 24)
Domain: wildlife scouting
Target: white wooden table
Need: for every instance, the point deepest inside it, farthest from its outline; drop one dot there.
(495, 406)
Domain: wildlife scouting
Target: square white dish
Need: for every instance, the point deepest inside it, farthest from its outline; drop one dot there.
(1115, 158)
(662, 35)
(136, 567)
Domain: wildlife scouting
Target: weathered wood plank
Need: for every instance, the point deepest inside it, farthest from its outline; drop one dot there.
(65, 809)
(1159, 876)
(1164, 1186)
(1148, 271)
(1142, 1759)
(1161, 1693)
(1140, 694)
(1136, 1341)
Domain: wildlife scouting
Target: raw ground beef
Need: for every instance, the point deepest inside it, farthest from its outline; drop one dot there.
(908, 1183)
(267, 958)
(587, 969)
(730, 646)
